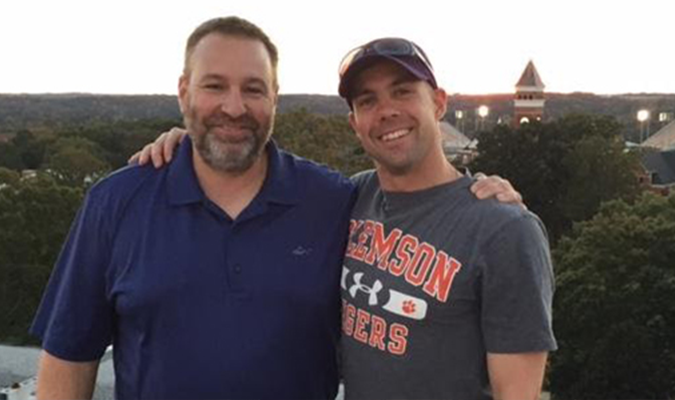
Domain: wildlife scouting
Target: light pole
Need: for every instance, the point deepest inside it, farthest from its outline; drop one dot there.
(483, 112)
(459, 119)
(643, 116)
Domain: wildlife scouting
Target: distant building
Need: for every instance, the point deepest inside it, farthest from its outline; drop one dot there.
(458, 148)
(659, 167)
(663, 139)
(528, 103)
(28, 174)
(666, 116)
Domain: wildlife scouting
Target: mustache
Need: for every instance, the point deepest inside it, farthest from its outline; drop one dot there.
(245, 121)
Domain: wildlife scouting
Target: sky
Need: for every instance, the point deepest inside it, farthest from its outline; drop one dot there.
(476, 46)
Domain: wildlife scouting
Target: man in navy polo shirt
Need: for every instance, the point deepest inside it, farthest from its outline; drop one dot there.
(217, 276)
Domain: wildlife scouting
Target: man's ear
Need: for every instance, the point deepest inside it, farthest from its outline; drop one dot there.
(352, 123)
(275, 98)
(183, 83)
(441, 101)
(275, 87)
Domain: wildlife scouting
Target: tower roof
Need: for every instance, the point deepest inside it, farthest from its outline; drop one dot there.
(530, 77)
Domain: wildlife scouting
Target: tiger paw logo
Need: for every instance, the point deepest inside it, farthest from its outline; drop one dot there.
(408, 306)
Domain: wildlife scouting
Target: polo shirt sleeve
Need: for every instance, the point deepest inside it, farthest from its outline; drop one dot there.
(74, 319)
(517, 288)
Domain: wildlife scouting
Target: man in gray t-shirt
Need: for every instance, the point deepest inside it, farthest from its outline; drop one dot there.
(444, 296)
(434, 279)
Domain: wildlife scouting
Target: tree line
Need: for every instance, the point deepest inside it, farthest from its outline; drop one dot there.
(24, 111)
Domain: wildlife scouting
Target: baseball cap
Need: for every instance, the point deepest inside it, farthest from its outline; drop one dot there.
(401, 51)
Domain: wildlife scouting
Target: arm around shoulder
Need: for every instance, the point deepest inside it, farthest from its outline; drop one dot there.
(62, 379)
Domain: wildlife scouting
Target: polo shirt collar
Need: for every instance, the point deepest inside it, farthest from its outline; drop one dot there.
(182, 184)
(281, 183)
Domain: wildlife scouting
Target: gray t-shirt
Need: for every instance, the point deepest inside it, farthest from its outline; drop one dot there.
(434, 279)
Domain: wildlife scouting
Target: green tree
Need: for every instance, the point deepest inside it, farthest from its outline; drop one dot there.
(76, 161)
(9, 177)
(10, 157)
(30, 148)
(599, 170)
(614, 312)
(117, 140)
(35, 215)
(325, 139)
(564, 169)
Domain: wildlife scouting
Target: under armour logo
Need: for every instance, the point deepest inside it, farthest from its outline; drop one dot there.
(372, 291)
(301, 251)
(398, 303)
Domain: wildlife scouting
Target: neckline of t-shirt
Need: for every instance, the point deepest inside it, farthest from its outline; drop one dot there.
(404, 198)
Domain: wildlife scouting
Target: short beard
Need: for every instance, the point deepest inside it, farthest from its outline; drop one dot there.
(222, 154)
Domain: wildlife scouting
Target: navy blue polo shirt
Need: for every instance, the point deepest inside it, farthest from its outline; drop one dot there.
(198, 305)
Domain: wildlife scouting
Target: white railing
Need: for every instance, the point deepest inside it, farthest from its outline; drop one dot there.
(26, 390)
(20, 391)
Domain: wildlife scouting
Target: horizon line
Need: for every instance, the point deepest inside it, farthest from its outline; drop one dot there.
(577, 92)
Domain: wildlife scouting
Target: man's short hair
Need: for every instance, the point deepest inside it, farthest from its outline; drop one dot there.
(232, 26)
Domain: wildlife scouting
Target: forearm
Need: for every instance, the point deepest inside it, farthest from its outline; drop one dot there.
(516, 376)
(61, 379)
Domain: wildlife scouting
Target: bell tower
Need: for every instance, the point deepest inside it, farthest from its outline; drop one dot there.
(528, 103)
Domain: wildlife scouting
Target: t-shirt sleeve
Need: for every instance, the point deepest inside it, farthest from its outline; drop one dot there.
(517, 288)
(74, 319)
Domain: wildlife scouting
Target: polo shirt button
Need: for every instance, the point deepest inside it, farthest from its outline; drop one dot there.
(237, 268)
